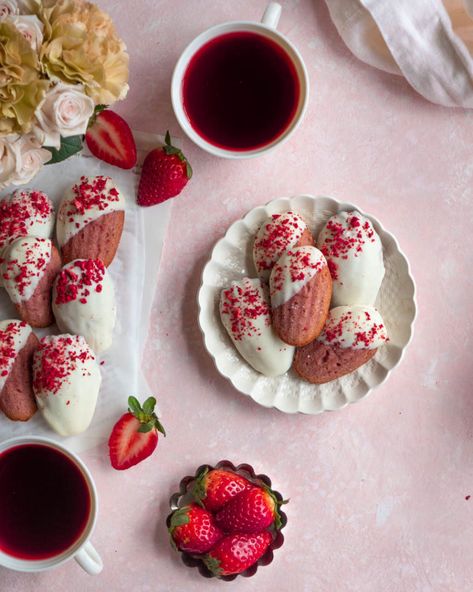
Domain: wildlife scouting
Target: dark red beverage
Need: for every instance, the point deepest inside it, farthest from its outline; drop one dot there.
(241, 91)
(44, 502)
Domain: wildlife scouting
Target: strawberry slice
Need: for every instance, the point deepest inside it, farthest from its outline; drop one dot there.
(135, 435)
(109, 138)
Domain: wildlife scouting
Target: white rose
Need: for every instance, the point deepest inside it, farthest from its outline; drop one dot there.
(8, 8)
(7, 160)
(65, 111)
(31, 28)
(29, 158)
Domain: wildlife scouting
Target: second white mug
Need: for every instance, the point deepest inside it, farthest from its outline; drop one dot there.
(80, 549)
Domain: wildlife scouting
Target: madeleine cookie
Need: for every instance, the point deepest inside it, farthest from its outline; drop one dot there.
(29, 267)
(90, 220)
(246, 315)
(23, 213)
(17, 346)
(300, 292)
(66, 383)
(276, 235)
(84, 302)
(354, 255)
(351, 337)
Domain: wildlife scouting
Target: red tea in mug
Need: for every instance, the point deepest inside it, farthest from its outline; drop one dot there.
(241, 91)
(45, 502)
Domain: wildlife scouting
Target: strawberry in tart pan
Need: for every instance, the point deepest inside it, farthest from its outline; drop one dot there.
(226, 520)
(90, 220)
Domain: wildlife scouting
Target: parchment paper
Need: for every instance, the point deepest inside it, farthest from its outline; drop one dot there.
(134, 272)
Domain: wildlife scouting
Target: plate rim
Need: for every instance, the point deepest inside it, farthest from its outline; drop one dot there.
(342, 206)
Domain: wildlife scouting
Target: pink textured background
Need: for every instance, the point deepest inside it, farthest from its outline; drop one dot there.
(377, 490)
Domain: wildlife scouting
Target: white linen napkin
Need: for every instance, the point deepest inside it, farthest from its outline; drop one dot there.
(429, 42)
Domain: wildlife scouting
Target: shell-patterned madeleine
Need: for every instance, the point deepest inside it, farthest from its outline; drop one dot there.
(246, 315)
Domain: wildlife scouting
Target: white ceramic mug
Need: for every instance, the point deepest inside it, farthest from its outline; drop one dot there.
(82, 550)
(267, 27)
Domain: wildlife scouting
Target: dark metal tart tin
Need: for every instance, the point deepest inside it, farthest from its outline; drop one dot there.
(183, 496)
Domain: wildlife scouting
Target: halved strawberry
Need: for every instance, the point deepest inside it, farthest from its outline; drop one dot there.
(109, 138)
(135, 435)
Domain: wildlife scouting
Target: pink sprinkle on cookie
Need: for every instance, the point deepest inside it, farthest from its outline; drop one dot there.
(77, 280)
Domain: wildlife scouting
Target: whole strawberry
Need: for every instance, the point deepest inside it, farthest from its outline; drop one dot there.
(213, 489)
(164, 174)
(237, 552)
(192, 529)
(250, 512)
(135, 435)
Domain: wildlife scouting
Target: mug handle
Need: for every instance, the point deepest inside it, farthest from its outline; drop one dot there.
(272, 15)
(89, 559)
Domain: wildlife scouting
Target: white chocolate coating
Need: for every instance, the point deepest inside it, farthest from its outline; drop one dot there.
(246, 315)
(354, 255)
(275, 236)
(84, 302)
(66, 383)
(25, 262)
(25, 212)
(84, 202)
(354, 327)
(292, 272)
(13, 337)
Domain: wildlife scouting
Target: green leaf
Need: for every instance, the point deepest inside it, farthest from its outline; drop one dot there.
(159, 426)
(180, 517)
(199, 490)
(146, 427)
(212, 564)
(149, 405)
(189, 170)
(134, 406)
(69, 147)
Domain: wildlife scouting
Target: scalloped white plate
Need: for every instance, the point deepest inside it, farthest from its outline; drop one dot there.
(231, 259)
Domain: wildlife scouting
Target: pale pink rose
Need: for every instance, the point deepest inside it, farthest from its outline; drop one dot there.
(31, 28)
(29, 158)
(65, 111)
(8, 8)
(7, 160)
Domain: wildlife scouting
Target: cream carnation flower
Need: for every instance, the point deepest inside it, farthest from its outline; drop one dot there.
(21, 88)
(65, 111)
(81, 46)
